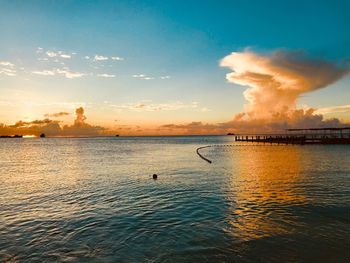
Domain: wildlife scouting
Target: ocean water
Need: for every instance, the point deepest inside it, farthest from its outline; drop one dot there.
(94, 200)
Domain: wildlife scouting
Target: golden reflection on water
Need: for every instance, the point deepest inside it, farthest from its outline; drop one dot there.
(36, 174)
(266, 183)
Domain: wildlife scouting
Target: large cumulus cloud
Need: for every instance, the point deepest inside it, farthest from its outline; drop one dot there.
(274, 82)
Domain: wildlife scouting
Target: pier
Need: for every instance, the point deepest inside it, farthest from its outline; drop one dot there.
(301, 136)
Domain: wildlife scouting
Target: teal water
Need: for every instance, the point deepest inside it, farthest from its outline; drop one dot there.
(93, 200)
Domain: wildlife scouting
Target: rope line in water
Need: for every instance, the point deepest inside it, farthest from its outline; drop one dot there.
(230, 145)
(201, 156)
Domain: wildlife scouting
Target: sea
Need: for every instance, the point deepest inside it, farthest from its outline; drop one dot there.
(95, 200)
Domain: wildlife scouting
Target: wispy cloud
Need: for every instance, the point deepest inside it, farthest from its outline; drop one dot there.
(6, 64)
(142, 76)
(7, 72)
(205, 109)
(57, 114)
(106, 75)
(117, 58)
(138, 76)
(100, 58)
(65, 56)
(66, 72)
(44, 72)
(334, 109)
(148, 106)
(70, 74)
(63, 104)
(51, 54)
(147, 77)
(7, 68)
(61, 60)
(62, 54)
(103, 58)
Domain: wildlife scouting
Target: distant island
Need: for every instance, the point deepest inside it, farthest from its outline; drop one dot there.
(11, 136)
(230, 133)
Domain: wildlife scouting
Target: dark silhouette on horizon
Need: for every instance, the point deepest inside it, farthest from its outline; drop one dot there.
(11, 136)
(301, 136)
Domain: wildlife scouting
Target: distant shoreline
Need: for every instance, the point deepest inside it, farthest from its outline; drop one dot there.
(113, 136)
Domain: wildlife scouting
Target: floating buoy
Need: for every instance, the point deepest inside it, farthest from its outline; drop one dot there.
(155, 176)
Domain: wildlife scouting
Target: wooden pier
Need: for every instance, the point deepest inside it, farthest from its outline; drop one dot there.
(301, 136)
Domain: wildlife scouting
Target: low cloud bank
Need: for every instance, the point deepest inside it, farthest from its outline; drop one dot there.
(279, 122)
(52, 127)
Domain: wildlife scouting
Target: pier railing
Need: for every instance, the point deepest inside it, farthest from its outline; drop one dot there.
(300, 136)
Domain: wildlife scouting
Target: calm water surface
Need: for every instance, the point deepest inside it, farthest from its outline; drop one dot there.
(93, 200)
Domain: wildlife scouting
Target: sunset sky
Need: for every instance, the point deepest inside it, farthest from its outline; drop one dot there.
(172, 67)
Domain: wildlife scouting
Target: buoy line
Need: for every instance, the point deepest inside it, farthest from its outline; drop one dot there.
(201, 156)
(227, 145)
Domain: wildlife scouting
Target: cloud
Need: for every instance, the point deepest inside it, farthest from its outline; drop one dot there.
(104, 58)
(146, 77)
(65, 72)
(144, 106)
(65, 56)
(6, 64)
(44, 72)
(57, 114)
(204, 109)
(54, 54)
(117, 58)
(7, 68)
(139, 76)
(21, 124)
(80, 120)
(142, 76)
(51, 54)
(334, 109)
(100, 58)
(276, 81)
(8, 72)
(70, 74)
(239, 124)
(80, 127)
(106, 75)
(52, 127)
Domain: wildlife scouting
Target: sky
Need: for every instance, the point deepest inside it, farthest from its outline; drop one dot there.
(172, 67)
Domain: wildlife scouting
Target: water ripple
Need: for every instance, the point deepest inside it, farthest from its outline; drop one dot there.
(94, 200)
